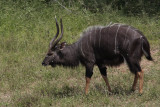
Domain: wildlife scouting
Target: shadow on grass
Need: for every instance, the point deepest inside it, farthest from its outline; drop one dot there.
(26, 100)
(41, 93)
(69, 91)
(118, 90)
(65, 91)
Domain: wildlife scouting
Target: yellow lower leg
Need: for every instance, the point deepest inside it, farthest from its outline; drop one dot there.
(135, 82)
(141, 76)
(87, 85)
(107, 83)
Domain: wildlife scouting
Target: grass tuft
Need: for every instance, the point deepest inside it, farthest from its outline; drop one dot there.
(24, 41)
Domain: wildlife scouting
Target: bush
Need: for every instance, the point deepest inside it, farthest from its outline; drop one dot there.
(128, 7)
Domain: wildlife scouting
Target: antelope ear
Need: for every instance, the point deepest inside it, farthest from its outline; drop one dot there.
(63, 45)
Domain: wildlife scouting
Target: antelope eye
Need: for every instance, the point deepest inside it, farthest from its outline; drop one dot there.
(50, 54)
(56, 47)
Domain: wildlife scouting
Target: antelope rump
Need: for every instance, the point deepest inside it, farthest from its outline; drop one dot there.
(102, 46)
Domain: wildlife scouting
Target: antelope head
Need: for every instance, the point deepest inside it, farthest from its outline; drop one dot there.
(54, 54)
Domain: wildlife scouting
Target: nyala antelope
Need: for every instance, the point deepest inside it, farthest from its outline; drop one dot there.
(102, 46)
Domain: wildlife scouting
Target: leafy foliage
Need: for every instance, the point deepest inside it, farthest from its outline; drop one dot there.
(128, 7)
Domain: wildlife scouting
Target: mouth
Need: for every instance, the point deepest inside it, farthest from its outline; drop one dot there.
(52, 64)
(44, 64)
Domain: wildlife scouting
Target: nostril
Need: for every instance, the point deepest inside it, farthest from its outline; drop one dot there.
(43, 63)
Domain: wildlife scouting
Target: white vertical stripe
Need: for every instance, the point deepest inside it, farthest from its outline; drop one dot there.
(87, 41)
(116, 38)
(90, 37)
(82, 49)
(126, 35)
(100, 37)
(134, 34)
(95, 38)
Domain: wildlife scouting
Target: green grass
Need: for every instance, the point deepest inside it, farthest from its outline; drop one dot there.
(24, 42)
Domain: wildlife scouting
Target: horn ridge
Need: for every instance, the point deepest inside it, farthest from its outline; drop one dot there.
(60, 35)
(54, 38)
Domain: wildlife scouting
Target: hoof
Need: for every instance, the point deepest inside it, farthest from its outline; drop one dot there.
(140, 94)
(110, 93)
(133, 90)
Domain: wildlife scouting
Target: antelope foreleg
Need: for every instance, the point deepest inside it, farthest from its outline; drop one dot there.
(87, 85)
(107, 83)
(104, 75)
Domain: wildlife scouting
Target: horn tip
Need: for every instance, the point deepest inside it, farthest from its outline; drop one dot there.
(55, 18)
(61, 20)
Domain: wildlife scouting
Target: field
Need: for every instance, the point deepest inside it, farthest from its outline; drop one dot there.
(24, 41)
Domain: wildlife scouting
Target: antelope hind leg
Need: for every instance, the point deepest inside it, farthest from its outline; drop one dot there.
(141, 77)
(135, 82)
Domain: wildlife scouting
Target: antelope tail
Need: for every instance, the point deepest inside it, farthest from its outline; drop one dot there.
(146, 49)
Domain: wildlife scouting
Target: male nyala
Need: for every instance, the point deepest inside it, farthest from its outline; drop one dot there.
(102, 46)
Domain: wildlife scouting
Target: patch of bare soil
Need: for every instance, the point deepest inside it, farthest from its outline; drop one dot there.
(145, 64)
(5, 97)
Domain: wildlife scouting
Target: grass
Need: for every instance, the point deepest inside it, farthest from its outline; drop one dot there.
(24, 41)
